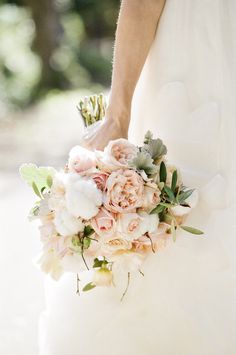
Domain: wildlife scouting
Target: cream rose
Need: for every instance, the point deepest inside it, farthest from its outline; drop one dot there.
(124, 191)
(82, 196)
(133, 225)
(81, 159)
(151, 197)
(117, 154)
(104, 224)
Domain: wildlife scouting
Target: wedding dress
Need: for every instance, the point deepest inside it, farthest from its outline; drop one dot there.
(186, 302)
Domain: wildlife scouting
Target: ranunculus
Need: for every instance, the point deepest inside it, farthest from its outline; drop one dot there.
(133, 225)
(124, 191)
(66, 224)
(81, 159)
(104, 224)
(181, 211)
(117, 154)
(83, 198)
(100, 178)
(151, 196)
(103, 277)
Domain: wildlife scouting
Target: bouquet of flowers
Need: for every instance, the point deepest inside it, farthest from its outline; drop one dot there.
(107, 210)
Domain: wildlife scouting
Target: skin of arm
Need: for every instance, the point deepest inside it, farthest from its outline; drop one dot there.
(136, 28)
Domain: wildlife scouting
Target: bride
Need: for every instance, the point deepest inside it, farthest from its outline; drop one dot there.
(174, 74)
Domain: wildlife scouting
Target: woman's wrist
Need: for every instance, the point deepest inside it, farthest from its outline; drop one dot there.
(120, 116)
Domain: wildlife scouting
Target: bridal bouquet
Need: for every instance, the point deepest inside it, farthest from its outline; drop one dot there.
(107, 210)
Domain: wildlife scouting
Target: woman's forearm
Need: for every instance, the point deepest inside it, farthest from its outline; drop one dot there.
(136, 29)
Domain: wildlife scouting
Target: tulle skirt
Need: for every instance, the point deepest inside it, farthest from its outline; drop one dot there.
(185, 304)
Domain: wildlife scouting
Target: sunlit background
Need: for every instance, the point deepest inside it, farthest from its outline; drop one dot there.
(51, 54)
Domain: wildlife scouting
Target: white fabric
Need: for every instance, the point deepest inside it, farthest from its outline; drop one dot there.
(186, 302)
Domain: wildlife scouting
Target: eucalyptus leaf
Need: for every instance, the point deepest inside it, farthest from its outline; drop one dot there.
(192, 230)
(89, 287)
(163, 172)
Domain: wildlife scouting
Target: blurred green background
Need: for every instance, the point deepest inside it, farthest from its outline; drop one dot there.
(52, 52)
(54, 45)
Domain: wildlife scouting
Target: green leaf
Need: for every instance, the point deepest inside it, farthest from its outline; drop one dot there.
(89, 287)
(155, 148)
(192, 230)
(163, 172)
(39, 175)
(169, 193)
(158, 209)
(49, 181)
(143, 161)
(148, 137)
(36, 190)
(88, 230)
(99, 263)
(86, 242)
(174, 180)
(165, 204)
(184, 195)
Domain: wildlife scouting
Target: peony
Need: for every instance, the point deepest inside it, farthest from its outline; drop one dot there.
(81, 159)
(104, 223)
(117, 154)
(124, 191)
(66, 224)
(83, 198)
(134, 225)
(103, 277)
(151, 196)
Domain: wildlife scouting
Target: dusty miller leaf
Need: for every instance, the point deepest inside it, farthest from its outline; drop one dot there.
(143, 161)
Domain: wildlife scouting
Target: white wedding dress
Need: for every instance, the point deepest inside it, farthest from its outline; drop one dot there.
(186, 302)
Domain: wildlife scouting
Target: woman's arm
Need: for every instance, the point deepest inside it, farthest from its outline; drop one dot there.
(136, 29)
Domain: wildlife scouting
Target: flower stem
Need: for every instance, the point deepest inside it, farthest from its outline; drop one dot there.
(126, 289)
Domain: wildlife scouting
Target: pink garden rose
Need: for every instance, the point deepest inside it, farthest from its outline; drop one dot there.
(124, 191)
(117, 155)
(81, 159)
(100, 178)
(104, 224)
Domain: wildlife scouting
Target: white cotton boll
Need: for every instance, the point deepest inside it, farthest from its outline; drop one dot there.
(82, 197)
(192, 201)
(66, 224)
(150, 222)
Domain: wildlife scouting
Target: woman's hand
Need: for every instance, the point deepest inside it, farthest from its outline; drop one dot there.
(109, 129)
